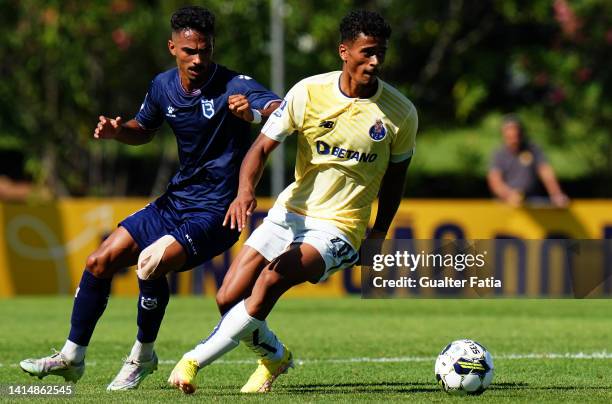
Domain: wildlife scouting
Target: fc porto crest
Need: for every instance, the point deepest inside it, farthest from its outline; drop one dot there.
(378, 131)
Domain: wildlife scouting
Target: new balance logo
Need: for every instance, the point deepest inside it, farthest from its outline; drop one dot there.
(326, 124)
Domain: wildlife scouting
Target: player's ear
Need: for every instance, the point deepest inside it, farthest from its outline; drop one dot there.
(171, 47)
(343, 52)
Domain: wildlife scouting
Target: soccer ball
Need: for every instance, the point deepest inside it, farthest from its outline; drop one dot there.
(464, 367)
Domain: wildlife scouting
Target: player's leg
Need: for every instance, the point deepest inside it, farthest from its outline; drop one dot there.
(183, 247)
(299, 264)
(240, 278)
(152, 302)
(161, 254)
(237, 286)
(268, 241)
(276, 358)
(118, 251)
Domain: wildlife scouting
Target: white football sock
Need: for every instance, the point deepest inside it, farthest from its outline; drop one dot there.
(142, 352)
(235, 325)
(264, 342)
(73, 353)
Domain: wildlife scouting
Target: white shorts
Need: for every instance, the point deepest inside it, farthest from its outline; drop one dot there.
(281, 228)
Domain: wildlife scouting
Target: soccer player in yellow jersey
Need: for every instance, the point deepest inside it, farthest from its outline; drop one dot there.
(356, 136)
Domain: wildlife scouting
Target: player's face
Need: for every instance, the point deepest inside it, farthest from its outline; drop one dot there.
(193, 52)
(363, 58)
(512, 135)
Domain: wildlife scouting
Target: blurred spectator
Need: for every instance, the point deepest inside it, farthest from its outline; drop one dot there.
(519, 169)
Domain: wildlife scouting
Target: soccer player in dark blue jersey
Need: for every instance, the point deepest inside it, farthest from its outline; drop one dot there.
(209, 108)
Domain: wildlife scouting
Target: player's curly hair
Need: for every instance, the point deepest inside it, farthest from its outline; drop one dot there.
(369, 23)
(193, 17)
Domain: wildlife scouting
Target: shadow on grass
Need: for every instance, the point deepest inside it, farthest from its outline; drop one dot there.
(386, 387)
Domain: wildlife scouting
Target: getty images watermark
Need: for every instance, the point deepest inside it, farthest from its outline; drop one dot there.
(412, 262)
(486, 268)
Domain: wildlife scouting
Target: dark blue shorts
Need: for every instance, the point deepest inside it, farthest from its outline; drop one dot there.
(201, 234)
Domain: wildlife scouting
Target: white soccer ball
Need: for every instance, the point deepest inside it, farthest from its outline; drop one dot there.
(464, 367)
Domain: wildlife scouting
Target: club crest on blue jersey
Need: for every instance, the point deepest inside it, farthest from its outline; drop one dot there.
(377, 131)
(208, 108)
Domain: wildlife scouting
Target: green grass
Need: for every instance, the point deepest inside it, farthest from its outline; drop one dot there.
(324, 335)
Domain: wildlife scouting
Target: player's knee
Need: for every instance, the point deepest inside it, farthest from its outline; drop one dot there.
(98, 264)
(150, 258)
(270, 278)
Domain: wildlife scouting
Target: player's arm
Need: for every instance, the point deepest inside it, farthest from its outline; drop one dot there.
(549, 179)
(240, 106)
(129, 132)
(500, 189)
(389, 197)
(250, 173)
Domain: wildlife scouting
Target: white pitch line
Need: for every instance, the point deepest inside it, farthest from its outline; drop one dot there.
(402, 359)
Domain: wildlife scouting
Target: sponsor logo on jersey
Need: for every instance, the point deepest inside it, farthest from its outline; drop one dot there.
(170, 111)
(378, 131)
(347, 154)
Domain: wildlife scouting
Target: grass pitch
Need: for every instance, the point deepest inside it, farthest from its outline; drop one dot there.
(347, 350)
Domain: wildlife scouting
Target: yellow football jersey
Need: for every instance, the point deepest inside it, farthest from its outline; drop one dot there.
(344, 147)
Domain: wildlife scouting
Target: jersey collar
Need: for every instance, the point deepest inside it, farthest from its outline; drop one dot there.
(197, 91)
(343, 96)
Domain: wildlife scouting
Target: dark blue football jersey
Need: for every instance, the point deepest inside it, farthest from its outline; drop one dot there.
(211, 140)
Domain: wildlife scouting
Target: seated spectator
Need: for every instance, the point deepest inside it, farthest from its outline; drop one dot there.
(519, 169)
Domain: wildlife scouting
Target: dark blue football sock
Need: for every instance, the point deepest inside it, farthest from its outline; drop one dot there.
(152, 302)
(89, 304)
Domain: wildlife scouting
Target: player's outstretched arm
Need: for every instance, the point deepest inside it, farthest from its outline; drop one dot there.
(250, 173)
(389, 198)
(129, 133)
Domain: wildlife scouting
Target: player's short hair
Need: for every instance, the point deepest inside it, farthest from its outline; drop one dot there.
(193, 17)
(369, 23)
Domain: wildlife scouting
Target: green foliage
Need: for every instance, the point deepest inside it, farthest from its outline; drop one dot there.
(462, 63)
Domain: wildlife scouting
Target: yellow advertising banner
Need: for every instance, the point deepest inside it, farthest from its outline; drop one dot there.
(43, 248)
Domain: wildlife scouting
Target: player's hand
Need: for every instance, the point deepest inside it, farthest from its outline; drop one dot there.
(107, 128)
(240, 106)
(243, 206)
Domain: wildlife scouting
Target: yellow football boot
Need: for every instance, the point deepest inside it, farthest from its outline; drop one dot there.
(183, 375)
(267, 371)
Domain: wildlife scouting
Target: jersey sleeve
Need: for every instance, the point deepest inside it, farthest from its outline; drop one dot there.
(150, 115)
(259, 97)
(289, 116)
(403, 145)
